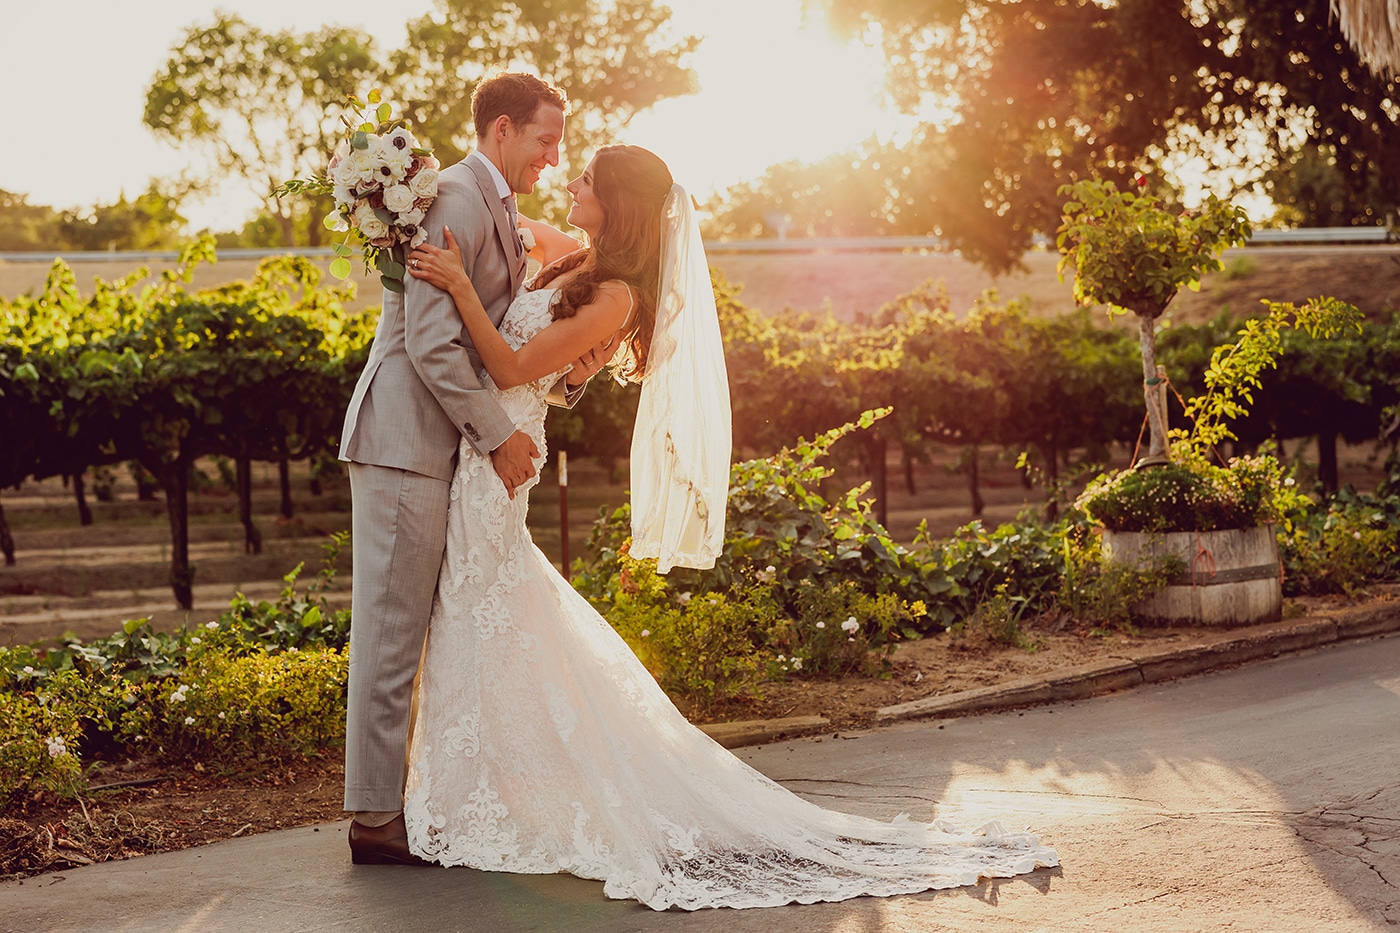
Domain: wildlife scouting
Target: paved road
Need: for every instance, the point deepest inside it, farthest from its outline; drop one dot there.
(1261, 799)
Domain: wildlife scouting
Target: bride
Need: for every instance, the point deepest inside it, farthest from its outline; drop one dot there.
(542, 744)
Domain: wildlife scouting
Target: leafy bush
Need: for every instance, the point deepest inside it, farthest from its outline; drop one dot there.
(1191, 496)
(230, 706)
(264, 680)
(1352, 542)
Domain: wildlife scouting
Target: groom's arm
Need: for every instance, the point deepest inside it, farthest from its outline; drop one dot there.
(433, 332)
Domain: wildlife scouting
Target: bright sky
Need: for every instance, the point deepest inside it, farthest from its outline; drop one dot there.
(774, 85)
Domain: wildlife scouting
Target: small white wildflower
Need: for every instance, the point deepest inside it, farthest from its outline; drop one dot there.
(28, 669)
(646, 633)
(683, 598)
(222, 716)
(852, 638)
(850, 625)
(57, 747)
(797, 664)
(211, 625)
(194, 639)
(1288, 481)
(770, 569)
(1356, 535)
(781, 658)
(189, 720)
(821, 625)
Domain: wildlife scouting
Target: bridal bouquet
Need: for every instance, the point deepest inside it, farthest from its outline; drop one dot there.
(382, 182)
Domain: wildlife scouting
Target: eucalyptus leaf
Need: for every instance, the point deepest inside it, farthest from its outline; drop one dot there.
(392, 285)
(331, 221)
(342, 249)
(384, 112)
(340, 268)
(359, 139)
(374, 96)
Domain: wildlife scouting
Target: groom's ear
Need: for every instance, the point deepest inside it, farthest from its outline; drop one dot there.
(501, 126)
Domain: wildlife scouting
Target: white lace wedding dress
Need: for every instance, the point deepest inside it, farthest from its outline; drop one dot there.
(542, 745)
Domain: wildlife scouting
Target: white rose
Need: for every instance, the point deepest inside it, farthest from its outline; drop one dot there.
(359, 167)
(424, 184)
(343, 194)
(372, 228)
(398, 198)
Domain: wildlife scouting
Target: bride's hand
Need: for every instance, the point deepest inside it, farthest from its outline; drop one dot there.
(440, 267)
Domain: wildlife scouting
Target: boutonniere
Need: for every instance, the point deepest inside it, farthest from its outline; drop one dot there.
(527, 238)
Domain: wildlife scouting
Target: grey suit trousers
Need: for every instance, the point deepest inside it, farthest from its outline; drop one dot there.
(400, 532)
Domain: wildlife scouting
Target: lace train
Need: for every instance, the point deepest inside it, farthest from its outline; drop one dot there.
(543, 745)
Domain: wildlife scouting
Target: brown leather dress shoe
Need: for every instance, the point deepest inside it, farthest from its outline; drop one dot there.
(382, 845)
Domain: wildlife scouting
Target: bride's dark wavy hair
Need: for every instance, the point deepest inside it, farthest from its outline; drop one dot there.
(631, 184)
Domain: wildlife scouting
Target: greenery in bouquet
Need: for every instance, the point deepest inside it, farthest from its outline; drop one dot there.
(383, 182)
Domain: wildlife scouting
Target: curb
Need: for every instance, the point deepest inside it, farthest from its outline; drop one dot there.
(1230, 647)
(758, 731)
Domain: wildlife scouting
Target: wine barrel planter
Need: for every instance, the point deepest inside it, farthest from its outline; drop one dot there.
(1231, 577)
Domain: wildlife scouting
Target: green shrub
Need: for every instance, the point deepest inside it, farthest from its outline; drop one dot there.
(841, 629)
(1353, 542)
(1191, 496)
(230, 706)
(41, 735)
(1098, 593)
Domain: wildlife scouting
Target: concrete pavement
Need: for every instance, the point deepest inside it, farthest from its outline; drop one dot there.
(1265, 798)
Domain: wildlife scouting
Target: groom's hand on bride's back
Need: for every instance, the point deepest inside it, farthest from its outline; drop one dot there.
(514, 460)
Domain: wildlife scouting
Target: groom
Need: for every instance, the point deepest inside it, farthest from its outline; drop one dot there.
(419, 395)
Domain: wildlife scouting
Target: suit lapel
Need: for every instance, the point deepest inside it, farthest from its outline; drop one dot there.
(504, 231)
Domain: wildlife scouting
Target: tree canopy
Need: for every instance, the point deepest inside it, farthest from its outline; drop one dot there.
(612, 58)
(1047, 92)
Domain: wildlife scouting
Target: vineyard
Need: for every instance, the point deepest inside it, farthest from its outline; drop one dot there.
(147, 377)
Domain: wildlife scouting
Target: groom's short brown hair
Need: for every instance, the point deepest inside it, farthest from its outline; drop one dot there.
(514, 94)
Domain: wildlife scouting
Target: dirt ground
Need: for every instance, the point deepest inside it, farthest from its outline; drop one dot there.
(137, 807)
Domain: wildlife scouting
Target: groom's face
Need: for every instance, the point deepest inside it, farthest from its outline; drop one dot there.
(528, 150)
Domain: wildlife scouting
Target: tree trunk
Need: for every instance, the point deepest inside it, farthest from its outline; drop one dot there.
(1152, 393)
(7, 543)
(1327, 461)
(909, 471)
(176, 481)
(284, 479)
(80, 493)
(243, 473)
(146, 484)
(974, 480)
(881, 481)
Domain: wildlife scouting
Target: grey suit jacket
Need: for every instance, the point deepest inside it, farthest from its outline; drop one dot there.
(421, 389)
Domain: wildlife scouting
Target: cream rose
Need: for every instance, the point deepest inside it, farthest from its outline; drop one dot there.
(424, 184)
(398, 198)
(372, 228)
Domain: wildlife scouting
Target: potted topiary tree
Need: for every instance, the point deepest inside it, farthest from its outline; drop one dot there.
(1182, 502)
(1132, 254)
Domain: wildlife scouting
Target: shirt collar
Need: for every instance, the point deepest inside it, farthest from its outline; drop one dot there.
(502, 188)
